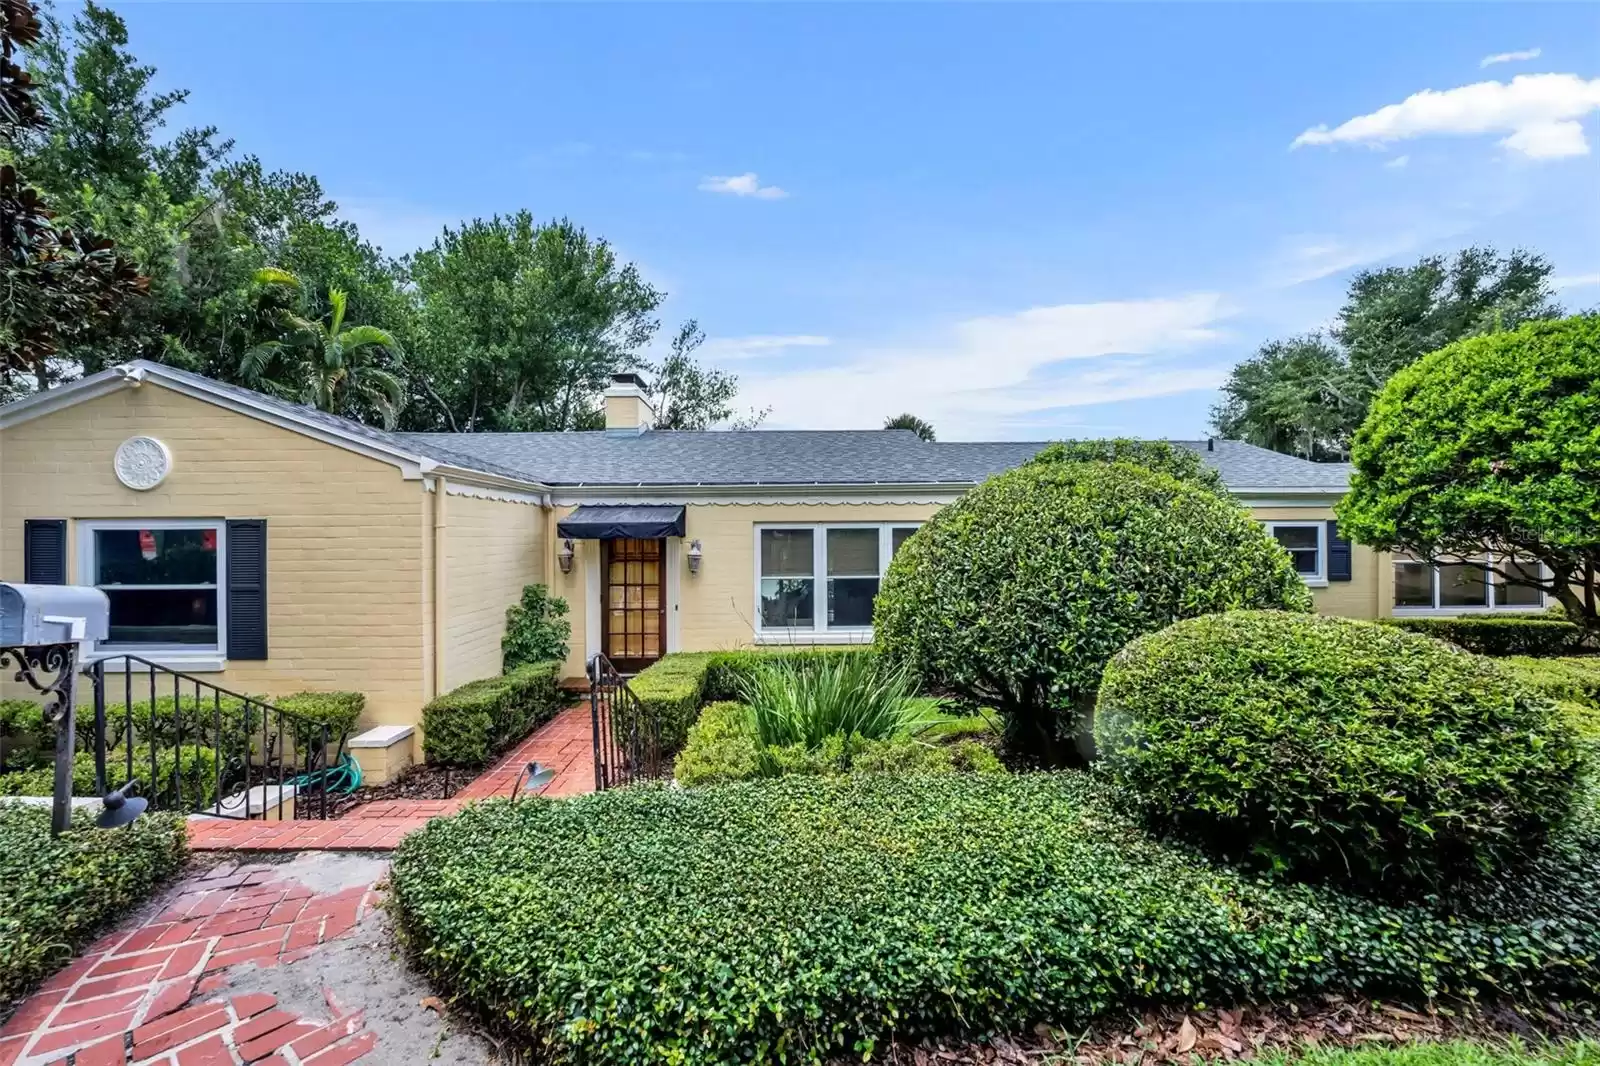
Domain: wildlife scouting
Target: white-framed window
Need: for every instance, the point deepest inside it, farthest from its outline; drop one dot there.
(819, 579)
(1463, 586)
(164, 581)
(1307, 545)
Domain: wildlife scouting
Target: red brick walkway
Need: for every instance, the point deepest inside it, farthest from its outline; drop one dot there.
(565, 744)
(150, 993)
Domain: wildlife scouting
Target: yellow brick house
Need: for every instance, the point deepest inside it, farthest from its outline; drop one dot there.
(272, 548)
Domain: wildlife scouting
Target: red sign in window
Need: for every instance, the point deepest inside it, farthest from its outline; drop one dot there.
(208, 540)
(147, 545)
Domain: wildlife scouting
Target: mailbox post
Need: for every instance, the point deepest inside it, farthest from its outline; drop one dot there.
(41, 628)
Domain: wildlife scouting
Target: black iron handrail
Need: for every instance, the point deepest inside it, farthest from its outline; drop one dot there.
(627, 734)
(255, 744)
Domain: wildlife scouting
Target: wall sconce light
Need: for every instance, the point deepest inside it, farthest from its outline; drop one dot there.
(564, 556)
(695, 554)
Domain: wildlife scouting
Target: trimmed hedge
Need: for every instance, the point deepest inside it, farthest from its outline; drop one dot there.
(58, 893)
(1016, 595)
(676, 686)
(197, 787)
(339, 711)
(25, 737)
(469, 725)
(1162, 456)
(1333, 748)
(1574, 678)
(167, 721)
(722, 747)
(806, 918)
(1522, 635)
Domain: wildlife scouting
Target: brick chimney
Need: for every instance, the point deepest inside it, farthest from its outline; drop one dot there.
(628, 407)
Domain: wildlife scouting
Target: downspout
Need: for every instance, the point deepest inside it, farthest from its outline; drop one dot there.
(439, 614)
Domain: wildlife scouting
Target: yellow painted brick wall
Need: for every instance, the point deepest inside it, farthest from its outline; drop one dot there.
(492, 549)
(345, 533)
(717, 606)
(1356, 598)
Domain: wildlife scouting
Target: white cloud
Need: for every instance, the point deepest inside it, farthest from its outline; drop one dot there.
(759, 346)
(986, 375)
(1311, 257)
(1575, 281)
(1509, 57)
(1539, 112)
(746, 184)
(1399, 162)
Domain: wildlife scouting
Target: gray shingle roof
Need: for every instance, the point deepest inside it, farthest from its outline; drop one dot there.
(815, 457)
(757, 457)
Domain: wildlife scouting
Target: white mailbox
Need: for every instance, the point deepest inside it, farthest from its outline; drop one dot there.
(51, 614)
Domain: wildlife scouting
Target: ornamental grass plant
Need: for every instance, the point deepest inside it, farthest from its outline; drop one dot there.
(805, 703)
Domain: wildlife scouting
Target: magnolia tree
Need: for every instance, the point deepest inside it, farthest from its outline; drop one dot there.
(1490, 449)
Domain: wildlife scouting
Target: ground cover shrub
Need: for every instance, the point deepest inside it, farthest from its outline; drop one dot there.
(537, 629)
(1534, 636)
(804, 704)
(58, 893)
(469, 725)
(1332, 748)
(184, 777)
(1016, 595)
(807, 917)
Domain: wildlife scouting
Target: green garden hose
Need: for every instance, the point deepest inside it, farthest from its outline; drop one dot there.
(343, 776)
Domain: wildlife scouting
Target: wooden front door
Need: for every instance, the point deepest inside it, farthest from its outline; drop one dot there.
(635, 602)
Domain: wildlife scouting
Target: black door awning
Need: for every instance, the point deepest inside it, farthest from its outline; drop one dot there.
(622, 523)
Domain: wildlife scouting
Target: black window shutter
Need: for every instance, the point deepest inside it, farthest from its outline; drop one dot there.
(44, 551)
(1338, 554)
(247, 588)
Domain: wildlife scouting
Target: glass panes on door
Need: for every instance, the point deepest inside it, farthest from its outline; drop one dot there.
(161, 583)
(635, 601)
(788, 580)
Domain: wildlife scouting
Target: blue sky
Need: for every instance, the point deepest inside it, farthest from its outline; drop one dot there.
(1018, 221)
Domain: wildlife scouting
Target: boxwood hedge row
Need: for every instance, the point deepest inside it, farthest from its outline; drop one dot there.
(1512, 635)
(58, 892)
(792, 920)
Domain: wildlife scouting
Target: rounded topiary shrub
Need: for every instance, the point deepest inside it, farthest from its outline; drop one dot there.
(1016, 595)
(1338, 749)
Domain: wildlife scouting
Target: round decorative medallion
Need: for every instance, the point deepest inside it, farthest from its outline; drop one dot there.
(142, 462)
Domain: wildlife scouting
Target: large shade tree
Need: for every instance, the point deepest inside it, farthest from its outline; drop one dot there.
(522, 325)
(1306, 395)
(56, 284)
(1490, 448)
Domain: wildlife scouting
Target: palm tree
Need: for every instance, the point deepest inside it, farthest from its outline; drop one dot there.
(324, 364)
(913, 423)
